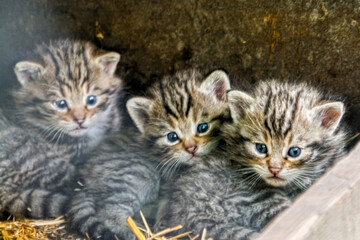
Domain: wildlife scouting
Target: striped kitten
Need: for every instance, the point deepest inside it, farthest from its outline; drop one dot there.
(282, 138)
(181, 118)
(179, 123)
(64, 107)
(69, 95)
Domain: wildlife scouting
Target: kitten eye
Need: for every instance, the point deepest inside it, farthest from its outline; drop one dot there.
(91, 100)
(203, 127)
(261, 148)
(61, 104)
(294, 152)
(172, 137)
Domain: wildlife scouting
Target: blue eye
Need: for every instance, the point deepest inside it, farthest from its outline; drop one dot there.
(61, 104)
(172, 137)
(261, 148)
(203, 127)
(91, 100)
(294, 152)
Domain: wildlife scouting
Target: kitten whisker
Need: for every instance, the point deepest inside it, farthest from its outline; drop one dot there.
(48, 132)
(165, 169)
(164, 163)
(62, 133)
(298, 182)
(58, 131)
(255, 181)
(252, 179)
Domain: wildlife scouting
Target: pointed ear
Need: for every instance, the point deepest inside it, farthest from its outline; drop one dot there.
(27, 71)
(108, 62)
(139, 110)
(240, 103)
(328, 114)
(216, 85)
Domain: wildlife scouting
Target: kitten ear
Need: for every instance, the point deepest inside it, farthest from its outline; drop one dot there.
(216, 85)
(328, 114)
(108, 62)
(239, 103)
(139, 110)
(27, 71)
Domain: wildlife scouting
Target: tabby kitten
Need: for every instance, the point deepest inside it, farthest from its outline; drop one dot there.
(65, 105)
(179, 123)
(282, 138)
(69, 95)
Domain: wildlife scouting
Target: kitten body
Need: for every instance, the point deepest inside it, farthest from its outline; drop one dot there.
(282, 138)
(190, 107)
(128, 177)
(114, 182)
(54, 123)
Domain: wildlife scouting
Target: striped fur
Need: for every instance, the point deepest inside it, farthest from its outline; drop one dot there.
(283, 116)
(238, 198)
(70, 71)
(207, 196)
(39, 146)
(126, 177)
(178, 104)
(115, 182)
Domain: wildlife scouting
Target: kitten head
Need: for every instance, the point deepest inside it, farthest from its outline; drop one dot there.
(70, 90)
(283, 133)
(183, 116)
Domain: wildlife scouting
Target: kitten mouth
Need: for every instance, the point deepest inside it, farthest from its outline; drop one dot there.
(276, 178)
(276, 181)
(79, 128)
(193, 158)
(78, 131)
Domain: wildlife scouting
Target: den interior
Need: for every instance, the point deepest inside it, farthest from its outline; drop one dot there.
(312, 41)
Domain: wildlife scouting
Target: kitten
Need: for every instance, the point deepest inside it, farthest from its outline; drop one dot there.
(65, 105)
(179, 123)
(69, 95)
(282, 138)
(181, 120)
(182, 117)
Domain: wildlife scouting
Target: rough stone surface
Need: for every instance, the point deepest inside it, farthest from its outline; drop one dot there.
(313, 41)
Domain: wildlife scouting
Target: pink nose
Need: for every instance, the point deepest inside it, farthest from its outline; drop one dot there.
(79, 119)
(191, 149)
(275, 171)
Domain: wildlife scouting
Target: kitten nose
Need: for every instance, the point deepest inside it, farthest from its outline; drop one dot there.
(191, 149)
(79, 119)
(275, 171)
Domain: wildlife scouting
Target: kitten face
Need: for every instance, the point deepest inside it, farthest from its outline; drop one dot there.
(284, 133)
(72, 92)
(183, 117)
(188, 138)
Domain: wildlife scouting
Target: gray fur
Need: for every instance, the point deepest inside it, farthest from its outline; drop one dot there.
(38, 150)
(115, 182)
(119, 181)
(229, 196)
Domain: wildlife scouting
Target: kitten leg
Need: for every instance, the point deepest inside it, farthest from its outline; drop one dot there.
(104, 217)
(102, 207)
(263, 210)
